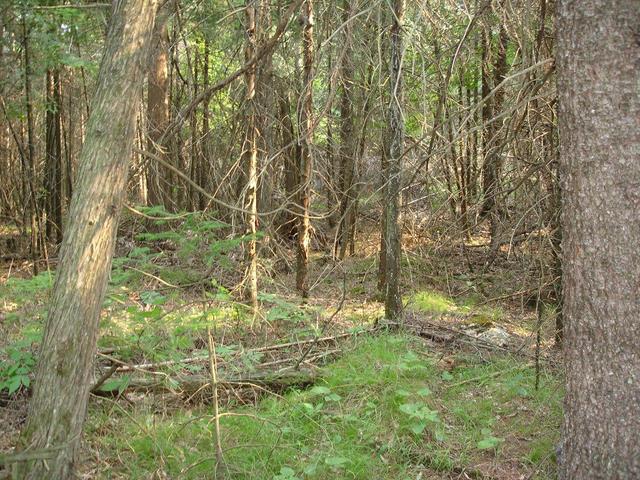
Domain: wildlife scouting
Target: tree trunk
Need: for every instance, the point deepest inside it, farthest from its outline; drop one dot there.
(251, 160)
(382, 263)
(205, 150)
(393, 249)
(492, 148)
(158, 178)
(31, 202)
(598, 58)
(63, 379)
(347, 151)
(306, 157)
(287, 226)
(53, 157)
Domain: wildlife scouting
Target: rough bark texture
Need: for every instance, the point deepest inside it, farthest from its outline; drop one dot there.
(306, 157)
(68, 349)
(598, 66)
(393, 300)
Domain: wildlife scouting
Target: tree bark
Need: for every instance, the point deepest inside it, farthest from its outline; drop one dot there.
(598, 65)
(251, 160)
(492, 148)
(63, 379)
(347, 150)
(158, 178)
(393, 249)
(306, 156)
(53, 157)
(29, 166)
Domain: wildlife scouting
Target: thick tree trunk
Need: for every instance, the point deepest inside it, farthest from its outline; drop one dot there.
(393, 249)
(63, 379)
(306, 157)
(598, 59)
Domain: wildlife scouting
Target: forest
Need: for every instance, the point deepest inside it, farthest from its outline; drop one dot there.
(320, 239)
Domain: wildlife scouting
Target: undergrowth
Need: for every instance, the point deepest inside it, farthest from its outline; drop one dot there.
(386, 410)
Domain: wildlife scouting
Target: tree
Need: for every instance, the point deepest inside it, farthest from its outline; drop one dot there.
(492, 144)
(393, 231)
(62, 384)
(158, 177)
(598, 47)
(250, 154)
(347, 150)
(306, 157)
(53, 157)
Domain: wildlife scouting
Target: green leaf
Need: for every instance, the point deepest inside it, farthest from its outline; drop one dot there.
(13, 384)
(419, 411)
(424, 392)
(489, 442)
(113, 384)
(320, 390)
(418, 428)
(286, 473)
(152, 298)
(409, 408)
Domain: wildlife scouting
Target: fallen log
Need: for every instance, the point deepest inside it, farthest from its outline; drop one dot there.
(193, 384)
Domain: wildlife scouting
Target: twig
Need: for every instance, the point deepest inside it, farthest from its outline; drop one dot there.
(152, 276)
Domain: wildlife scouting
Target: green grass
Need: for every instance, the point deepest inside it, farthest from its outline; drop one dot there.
(431, 302)
(385, 410)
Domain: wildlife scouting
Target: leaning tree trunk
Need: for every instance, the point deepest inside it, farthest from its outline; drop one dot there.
(393, 247)
(598, 58)
(306, 158)
(62, 384)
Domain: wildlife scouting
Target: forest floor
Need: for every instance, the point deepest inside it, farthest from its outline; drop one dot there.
(456, 393)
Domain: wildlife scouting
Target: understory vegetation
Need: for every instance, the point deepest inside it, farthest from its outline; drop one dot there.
(322, 389)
